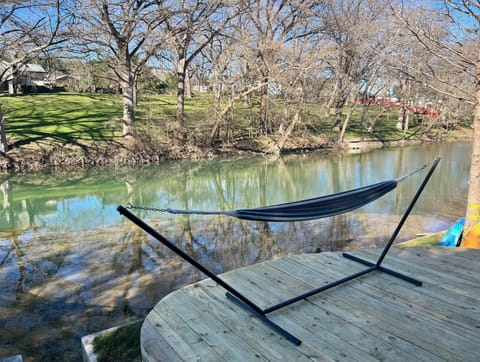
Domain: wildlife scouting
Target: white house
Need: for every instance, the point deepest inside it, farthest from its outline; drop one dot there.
(21, 75)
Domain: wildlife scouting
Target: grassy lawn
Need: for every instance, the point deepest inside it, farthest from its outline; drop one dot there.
(63, 116)
(70, 117)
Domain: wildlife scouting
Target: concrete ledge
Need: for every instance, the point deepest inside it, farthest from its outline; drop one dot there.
(88, 353)
(17, 358)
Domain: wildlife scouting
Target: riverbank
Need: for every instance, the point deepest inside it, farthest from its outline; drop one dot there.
(76, 131)
(50, 153)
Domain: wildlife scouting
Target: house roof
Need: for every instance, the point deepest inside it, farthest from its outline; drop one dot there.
(35, 68)
(66, 76)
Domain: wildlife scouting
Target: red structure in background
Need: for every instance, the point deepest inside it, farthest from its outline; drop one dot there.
(425, 111)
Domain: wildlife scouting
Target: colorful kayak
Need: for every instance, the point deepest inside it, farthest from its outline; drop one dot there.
(453, 235)
(472, 239)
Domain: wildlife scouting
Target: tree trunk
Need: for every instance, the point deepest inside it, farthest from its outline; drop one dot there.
(341, 137)
(403, 118)
(217, 94)
(3, 138)
(286, 133)
(127, 83)
(181, 93)
(188, 85)
(12, 89)
(337, 118)
(473, 202)
(135, 90)
(128, 109)
(330, 101)
(264, 110)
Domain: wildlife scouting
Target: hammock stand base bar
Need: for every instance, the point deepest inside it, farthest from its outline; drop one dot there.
(243, 301)
(414, 281)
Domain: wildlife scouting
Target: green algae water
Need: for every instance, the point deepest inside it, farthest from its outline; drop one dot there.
(70, 265)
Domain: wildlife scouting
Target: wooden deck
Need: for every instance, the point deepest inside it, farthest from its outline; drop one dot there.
(374, 317)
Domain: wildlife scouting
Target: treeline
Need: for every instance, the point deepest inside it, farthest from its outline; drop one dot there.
(280, 55)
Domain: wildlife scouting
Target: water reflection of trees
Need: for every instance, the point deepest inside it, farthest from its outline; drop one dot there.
(225, 184)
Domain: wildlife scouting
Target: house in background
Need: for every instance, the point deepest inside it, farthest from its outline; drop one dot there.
(67, 81)
(32, 75)
(23, 76)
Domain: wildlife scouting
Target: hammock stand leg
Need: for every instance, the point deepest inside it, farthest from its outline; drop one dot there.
(232, 293)
(378, 263)
(250, 306)
(371, 266)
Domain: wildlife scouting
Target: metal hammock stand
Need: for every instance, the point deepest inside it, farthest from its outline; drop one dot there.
(280, 213)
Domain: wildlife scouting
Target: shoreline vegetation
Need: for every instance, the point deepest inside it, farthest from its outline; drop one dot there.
(73, 131)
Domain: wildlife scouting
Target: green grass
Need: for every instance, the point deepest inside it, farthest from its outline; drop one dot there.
(428, 240)
(63, 116)
(123, 345)
(71, 117)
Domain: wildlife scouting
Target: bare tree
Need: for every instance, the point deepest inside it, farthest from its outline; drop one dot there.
(351, 30)
(450, 36)
(192, 26)
(123, 33)
(220, 56)
(28, 28)
(264, 35)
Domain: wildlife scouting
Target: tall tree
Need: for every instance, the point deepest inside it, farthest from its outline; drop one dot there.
(194, 24)
(350, 30)
(123, 33)
(220, 57)
(450, 35)
(265, 33)
(27, 29)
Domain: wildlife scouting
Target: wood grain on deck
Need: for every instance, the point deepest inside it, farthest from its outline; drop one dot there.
(374, 317)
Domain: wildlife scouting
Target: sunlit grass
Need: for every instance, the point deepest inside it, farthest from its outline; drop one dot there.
(62, 116)
(70, 117)
(428, 240)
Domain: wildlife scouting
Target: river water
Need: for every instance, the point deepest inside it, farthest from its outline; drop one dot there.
(71, 265)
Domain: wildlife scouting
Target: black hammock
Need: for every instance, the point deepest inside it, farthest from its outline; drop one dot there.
(295, 211)
(310, 209)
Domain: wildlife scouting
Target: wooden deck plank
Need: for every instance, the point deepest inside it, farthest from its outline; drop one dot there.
(434, 265)
(393, 290)
(448, 279)
(444, 299)
(253, 332)
(213, 331)
(374, 317)
(455, 288)
(439, 341)
(329, 340)
(350, 315)
(165, 344)
(423, 323)
(325, 323)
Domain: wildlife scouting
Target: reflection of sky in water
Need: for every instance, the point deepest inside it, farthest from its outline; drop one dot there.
(81, 212)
